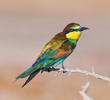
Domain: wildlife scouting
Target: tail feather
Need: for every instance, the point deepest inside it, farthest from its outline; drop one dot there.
(26, 73)
(32, 75)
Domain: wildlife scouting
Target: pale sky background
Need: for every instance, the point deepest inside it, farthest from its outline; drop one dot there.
(26, 25)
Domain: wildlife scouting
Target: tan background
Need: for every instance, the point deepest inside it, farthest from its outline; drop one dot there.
(26, 25)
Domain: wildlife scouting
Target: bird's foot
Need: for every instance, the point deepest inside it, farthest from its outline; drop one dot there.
(50, 69)
(64, 68)
(64, 71)
(55, 69)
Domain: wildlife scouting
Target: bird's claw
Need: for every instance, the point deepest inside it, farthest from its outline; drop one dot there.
(55, 69)
(50, 69)
(64, 71)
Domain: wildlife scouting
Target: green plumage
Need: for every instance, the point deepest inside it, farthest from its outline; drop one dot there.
(53, 54)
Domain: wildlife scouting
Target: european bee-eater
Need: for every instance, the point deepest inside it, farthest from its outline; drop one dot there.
(55, 51)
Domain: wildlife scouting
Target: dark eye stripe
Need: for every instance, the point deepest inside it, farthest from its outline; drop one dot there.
(71, 30)
(75, 29)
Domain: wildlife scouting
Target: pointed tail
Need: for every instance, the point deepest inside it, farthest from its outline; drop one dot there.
(32, 75)
(26, 73)
(31, 72)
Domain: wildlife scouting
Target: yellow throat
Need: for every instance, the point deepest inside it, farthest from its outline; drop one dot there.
(73, 35)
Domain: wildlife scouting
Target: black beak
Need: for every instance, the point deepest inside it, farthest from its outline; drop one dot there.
(83, 28)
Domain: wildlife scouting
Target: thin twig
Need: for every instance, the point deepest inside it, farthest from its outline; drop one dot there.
(83, 92)
(98, 76)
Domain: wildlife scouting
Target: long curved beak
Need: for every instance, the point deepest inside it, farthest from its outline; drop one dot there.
(83, 28)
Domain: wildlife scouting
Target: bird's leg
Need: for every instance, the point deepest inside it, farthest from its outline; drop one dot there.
(64, 69)
(55, 69)
(47, 70)
(50, 69)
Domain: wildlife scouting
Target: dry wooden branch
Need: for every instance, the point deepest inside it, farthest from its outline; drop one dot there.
(98, 76)
(83, 92)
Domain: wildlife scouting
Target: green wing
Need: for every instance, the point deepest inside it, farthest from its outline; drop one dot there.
(49, 50)
(54, 52)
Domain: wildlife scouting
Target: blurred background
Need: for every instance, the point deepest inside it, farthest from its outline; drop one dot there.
(26, 25)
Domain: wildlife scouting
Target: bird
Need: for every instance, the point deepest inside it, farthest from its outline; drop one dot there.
(55, 52)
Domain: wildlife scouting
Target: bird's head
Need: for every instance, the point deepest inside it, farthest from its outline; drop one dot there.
(73, 31)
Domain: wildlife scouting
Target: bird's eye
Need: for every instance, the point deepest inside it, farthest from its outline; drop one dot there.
(71, 30)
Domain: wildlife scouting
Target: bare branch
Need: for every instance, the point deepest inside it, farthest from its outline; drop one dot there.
(98, 76)
(84, 91)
